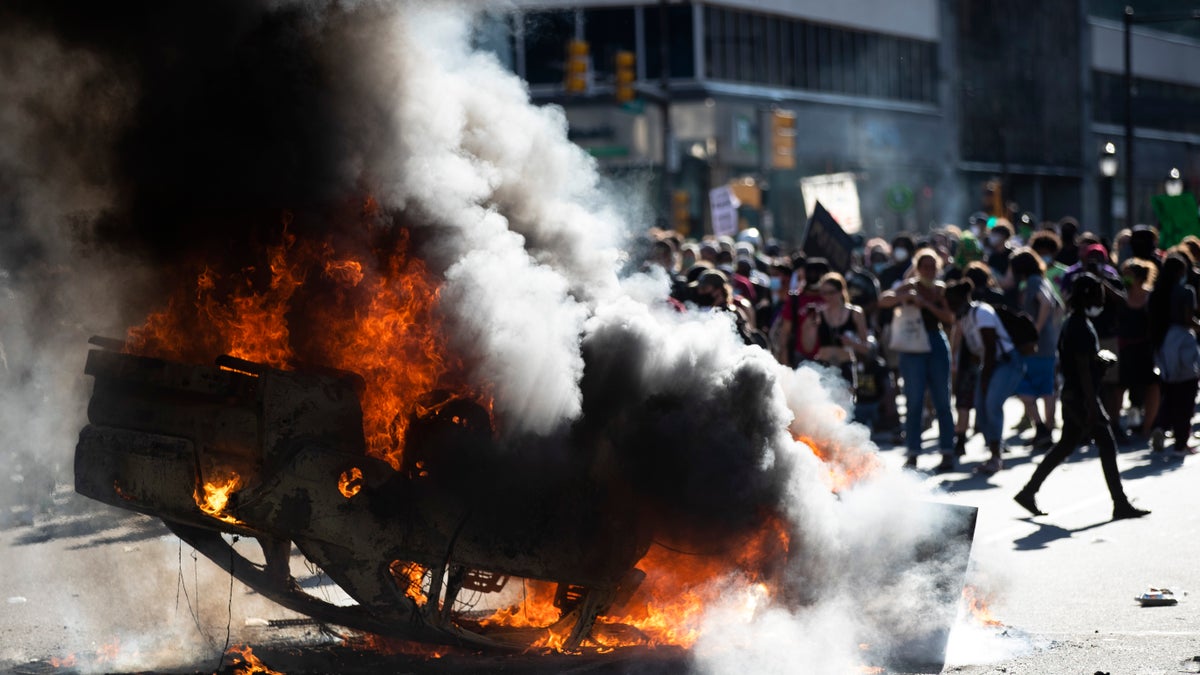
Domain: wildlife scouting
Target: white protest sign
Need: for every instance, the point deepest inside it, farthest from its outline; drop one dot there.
(724, 205)
(838, 193)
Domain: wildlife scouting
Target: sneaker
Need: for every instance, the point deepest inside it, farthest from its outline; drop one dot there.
(990, 467)
(1027, 501)
(1183, 452)
(1157, 439)
(1127, 510)
(911, 462)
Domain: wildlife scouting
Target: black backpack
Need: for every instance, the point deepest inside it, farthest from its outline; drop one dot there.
(1021, 329)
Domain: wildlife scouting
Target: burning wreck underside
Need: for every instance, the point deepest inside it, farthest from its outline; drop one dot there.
(279, 456)
(245, 450)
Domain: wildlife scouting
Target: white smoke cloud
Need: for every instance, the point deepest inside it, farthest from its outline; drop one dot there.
(56, 289)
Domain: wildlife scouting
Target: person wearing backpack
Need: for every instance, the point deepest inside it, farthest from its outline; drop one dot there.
(1084, 416)
(1039, 303)
(1002, 365)
(1172, 306)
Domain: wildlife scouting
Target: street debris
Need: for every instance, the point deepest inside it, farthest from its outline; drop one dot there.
(1157, 597)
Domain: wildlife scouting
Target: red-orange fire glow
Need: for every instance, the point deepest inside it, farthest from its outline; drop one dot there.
(246, 663)
(350, 482)
(108, 652)
(669, 605)
(372, 313)
(411, 577)
(391, 646)
(212, 495)
(844, 468)
(977, 604)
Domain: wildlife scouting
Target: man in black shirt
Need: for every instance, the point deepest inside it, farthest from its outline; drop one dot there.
(1083, 365)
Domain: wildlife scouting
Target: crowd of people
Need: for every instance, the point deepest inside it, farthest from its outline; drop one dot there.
(935, 327)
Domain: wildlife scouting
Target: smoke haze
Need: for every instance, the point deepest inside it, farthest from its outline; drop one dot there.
(137, 135)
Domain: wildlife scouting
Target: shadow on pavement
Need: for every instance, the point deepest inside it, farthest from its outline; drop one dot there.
(97, 528)
(1047, 533)
(1153, 465)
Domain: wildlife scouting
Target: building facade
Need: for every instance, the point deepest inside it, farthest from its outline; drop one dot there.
(923, 102)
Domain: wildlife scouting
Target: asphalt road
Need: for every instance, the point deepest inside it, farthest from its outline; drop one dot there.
(86, 588)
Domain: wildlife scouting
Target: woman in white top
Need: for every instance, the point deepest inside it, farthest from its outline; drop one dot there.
(1002, 365)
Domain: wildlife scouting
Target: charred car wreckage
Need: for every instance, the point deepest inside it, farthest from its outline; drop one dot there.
(239, 448)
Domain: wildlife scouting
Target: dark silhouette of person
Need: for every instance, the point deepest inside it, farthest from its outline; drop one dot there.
(1083, 413)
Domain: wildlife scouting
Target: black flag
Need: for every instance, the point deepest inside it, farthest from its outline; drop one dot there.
(825, 238)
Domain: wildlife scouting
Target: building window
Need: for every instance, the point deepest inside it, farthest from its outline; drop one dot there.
(609, 31)
(681, 56)
(760, 48)
(545, 39)
(1156, 104)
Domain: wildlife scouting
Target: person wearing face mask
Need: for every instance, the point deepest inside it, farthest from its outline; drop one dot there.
(902, 249)
(879, 255)
(787, 335)
(998, 250)
(1046, 244)
(711, 290)
(929, 371)
(1084, 417)
(1094, 260)
(1001, 365)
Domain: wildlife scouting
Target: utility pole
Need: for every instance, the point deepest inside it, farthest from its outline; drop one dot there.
(664, 103)
(1130, 202)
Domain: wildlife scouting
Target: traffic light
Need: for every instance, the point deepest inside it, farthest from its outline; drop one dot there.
(681, 211)
(783, 139)
(625, 76)
(993, 196)
(575, 78)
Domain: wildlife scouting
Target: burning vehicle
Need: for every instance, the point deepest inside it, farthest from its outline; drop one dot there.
(279, 456)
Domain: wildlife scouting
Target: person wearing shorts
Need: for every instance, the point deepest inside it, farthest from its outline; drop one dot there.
(1042, 306)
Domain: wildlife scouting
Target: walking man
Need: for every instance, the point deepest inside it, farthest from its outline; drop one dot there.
(1084, 418)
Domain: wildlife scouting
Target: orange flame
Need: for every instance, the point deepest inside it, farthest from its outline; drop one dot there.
(977, 607)
(248, 664)
(212, 496)
(669, 605)
(350, 482)
(372, 313)
(844, 468)
(411, 576)
(392, 646)
(108, 652)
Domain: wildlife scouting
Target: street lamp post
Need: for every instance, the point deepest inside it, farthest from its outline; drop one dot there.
(1108, 170)
(1128, 21)
(1174, 184)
